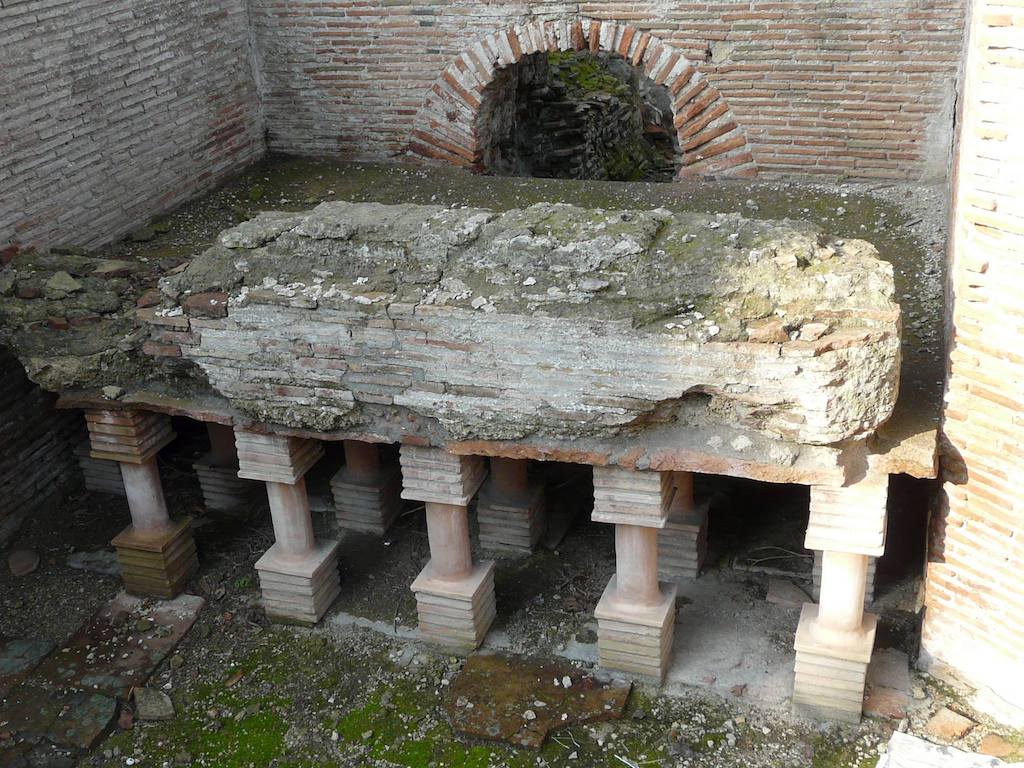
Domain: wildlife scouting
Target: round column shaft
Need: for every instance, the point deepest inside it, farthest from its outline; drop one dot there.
(293, 524)
(448, 533)
(509, 477)
(636, 565)
(222, 445)
(362, 460)
(145, 495)
(843, 579)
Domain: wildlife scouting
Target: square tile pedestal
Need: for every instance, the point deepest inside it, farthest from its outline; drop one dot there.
(633, 638)
(830, 677)
(456, 613)
(510, 524)
(368, 506)
(299, 589)
(683, 545)
(158, 562)
(222, 488)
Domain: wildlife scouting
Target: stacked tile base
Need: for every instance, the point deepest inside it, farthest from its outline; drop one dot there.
(101, 475)
(157, 563)
(829, 682)
(682, 546)
(869, 589)
(456, 614)
(636, 640)
(515, 527)
(222, 488)
(299, 591)
(368, 508)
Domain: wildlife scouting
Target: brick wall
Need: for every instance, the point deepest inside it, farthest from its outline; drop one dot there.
(862, 88)
(113, 110)
(974, 620)
(37, 461)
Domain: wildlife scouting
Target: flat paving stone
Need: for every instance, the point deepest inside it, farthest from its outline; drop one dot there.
(121, 645)
(519, 701)
(18, 657)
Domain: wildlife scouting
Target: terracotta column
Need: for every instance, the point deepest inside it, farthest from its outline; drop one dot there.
(293, 523)
(157, 554)
(454, 596)
(835, 638)
(636, 613)
(217, 471)
(636, 566)
(367, 494)
(298, 574)
(510, 511)
(145, 496)
(448, 534)
(683, 542)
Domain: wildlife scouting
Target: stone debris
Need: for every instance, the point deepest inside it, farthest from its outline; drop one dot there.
(102, 561)
(151, 704)
(520, 700)
(22, 562)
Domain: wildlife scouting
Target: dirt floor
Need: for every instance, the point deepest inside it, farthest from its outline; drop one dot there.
(362, 690)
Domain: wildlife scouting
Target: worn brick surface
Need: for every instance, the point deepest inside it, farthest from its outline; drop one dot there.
(114, 110)
(36, 447)
(974, 619)
(852, 87)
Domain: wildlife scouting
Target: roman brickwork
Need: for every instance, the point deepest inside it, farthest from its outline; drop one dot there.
(849, 88)
(37, 463)
(116, 110)
(974, 619)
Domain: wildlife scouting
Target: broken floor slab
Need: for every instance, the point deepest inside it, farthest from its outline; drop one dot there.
(18, 657)
(521, 700)
(121, 645)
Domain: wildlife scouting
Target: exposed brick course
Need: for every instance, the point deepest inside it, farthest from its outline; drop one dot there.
(114, 110)
(37, 460)
(854, 88)
(974, 619)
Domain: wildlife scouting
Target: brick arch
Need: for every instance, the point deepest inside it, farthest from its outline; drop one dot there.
(710, 140)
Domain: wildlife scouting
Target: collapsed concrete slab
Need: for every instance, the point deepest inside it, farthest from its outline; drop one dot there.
(548, 325)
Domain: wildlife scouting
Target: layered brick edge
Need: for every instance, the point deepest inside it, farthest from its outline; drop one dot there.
(710, 140)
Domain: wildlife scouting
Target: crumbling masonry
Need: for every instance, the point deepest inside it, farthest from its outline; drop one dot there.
(648, 344)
